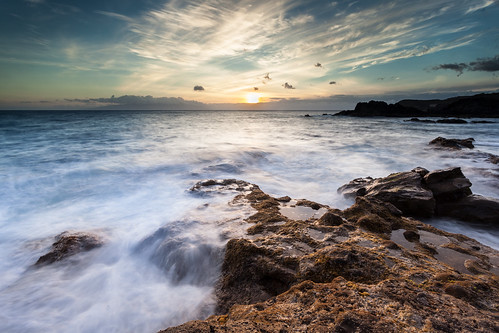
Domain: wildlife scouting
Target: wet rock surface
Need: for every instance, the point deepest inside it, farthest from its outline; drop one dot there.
(68, 244)
(405, 190)
(453, 143)
(368, 268)
(421, 193)
(475, 208)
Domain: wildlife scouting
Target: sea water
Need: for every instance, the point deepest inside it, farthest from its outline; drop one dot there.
(125, 175)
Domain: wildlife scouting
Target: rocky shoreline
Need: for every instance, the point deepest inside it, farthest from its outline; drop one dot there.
(302, 266)
(370, 268)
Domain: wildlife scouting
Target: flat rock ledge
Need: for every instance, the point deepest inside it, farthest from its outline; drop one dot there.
(368, 268)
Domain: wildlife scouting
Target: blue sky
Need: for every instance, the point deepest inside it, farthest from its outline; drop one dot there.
(289, 54)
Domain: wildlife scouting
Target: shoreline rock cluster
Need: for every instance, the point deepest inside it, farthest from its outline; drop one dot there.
(368, 268)
(421, 193)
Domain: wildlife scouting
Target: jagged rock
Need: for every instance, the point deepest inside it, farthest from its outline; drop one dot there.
(448, 184)
(284, 199)
(472, 208)
(308, 203)
(252, 274)
(419, 192)
(222, 185)
(355, 188)
(453, 143)
(404, 190)
(68, 244)
(330, 219)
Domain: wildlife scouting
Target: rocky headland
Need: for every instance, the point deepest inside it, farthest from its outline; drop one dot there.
(306, 267)
(477, 106)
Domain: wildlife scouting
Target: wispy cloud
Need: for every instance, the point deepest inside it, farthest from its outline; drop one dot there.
(193, 36)
(114, 15)
(482, 5)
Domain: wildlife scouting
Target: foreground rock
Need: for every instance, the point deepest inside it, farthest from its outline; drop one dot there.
(68, 244)
(364, 269)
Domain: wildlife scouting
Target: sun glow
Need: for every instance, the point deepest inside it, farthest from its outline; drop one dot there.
(253, 98)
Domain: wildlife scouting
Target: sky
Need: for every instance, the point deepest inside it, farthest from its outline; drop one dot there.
(283, 54)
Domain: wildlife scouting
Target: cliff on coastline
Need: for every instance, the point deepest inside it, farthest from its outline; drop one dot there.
(307, 267)
(477, 106)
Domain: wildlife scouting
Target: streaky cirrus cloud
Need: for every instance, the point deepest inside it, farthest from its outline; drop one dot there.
(481, 64)
(256, 36)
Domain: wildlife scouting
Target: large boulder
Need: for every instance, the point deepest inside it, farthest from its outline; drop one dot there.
(472, 208)
(448, 184)
(404, 190)
(68, 244)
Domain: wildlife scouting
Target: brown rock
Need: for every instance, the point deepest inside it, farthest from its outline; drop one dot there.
(330, 219)
(453, 143)
(68, 244)
(493, 159)
(252, 274)
(411, 236)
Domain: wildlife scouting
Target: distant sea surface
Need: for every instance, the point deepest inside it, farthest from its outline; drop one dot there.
(125, 175)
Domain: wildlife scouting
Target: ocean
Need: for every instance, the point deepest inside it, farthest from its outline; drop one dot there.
(125, 175)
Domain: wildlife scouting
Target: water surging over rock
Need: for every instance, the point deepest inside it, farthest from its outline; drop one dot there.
(185, 257)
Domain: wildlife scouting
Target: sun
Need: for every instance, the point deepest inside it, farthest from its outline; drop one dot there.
(253, 98)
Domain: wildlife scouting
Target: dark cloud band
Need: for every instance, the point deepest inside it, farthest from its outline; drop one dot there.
(481, 65)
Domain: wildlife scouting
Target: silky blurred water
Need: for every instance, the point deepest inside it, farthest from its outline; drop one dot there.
(125, 174)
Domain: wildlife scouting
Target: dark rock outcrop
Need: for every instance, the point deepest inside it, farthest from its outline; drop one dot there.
(453, 143)
(481, 105)
(474, 208)
(381, 109)
(68, 244)
(448, 184)
(404, 190)
(445, 192)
